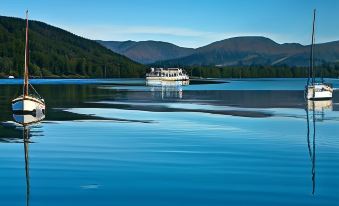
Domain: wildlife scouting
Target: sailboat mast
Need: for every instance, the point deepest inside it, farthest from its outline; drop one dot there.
(26, 59)
(311, 69)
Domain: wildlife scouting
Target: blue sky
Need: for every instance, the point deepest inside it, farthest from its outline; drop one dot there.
(190, 23)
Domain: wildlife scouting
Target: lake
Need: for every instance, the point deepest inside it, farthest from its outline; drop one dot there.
(119, 142)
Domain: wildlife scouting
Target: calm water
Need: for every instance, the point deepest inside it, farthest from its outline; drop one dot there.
(118, 142)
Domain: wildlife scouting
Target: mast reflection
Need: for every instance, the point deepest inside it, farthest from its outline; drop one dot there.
(27, 121)
(315, 112)
(26, 149)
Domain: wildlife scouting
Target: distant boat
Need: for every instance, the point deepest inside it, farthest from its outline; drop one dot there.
(163, 75)
(316, 90)
(28, 103)
(10, 77)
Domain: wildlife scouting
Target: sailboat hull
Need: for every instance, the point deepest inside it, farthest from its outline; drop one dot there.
(28, 105)
(319, 92)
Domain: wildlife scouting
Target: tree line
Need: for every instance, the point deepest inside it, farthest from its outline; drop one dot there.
(327, 70)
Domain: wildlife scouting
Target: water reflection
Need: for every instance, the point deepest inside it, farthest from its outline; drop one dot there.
(319, 108)
(27, 121)
(167, 91)
(320, 105)
(26, 149)
(315, 111)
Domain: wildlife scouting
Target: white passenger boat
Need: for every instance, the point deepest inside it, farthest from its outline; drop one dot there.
(28, 103)
(316, 90)
(166, 76)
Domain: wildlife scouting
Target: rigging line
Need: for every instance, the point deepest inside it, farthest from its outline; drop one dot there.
(35, 91)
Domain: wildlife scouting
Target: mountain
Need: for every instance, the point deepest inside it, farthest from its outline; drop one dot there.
(147, 52)
(256, 51)
(55, 52)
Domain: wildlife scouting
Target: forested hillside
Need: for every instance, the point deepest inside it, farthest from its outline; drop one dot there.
(57, 53)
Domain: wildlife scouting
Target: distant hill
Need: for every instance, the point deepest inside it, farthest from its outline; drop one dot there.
(56, 52)
(256, 51)
(237, 51)
(147, 52)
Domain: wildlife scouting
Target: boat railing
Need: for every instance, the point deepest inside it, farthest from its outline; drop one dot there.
(31, 95)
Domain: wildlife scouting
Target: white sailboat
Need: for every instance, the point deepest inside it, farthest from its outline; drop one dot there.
(316, 90)
(28, 103)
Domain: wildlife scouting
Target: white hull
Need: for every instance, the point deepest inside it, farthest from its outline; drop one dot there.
(158, 82)
(319, 92)
(28, 104)
(177, 78)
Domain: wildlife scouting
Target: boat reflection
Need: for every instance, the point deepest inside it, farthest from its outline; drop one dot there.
(319, 108)
(26, 149)
(168, 90)
(315, 112)
(27, 121)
